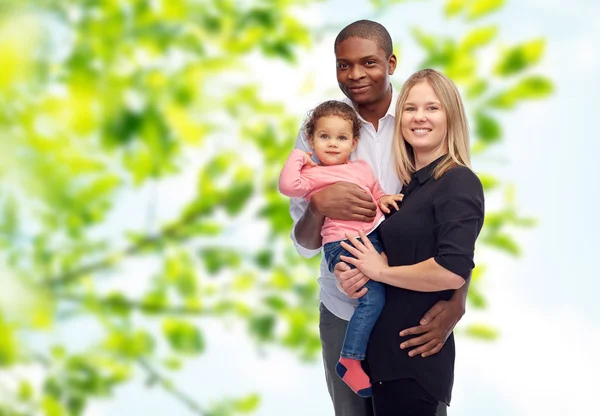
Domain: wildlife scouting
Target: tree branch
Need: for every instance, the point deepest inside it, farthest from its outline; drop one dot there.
(72, 275)
(137, 305)
(156, 377)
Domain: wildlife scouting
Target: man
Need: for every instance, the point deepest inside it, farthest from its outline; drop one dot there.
(364, 61)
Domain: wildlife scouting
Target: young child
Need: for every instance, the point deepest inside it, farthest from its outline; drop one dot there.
(333, 130)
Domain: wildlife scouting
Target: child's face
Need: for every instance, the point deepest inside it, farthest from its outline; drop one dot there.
(333, 140)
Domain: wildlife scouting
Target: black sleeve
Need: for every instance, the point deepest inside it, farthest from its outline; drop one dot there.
(459, 212)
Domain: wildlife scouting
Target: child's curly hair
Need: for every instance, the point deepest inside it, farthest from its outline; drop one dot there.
(328, 109)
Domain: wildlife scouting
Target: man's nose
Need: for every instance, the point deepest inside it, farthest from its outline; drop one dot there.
(356, 73)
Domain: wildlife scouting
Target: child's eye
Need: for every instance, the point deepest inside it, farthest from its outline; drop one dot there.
(343, 138)
(324, 136)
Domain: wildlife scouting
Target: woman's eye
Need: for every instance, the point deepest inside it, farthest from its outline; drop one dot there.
(432, 108)
(409, 109)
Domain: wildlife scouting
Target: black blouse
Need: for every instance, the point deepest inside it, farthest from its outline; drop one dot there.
(440, 219)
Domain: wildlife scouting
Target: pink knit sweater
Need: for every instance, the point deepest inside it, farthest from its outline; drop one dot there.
(300, 181)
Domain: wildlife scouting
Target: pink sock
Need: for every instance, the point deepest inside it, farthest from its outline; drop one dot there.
(353, 375)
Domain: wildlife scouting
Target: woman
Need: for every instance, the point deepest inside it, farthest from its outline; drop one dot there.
(429, 244)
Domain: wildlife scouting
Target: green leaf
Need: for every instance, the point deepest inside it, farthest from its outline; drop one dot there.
(215, 259)
(247, 404)
(503, 242)
(487, 129)
(520, 57)
(454, 7)
(52, 407)
(483, 332)
(534, 87)
(476, 299)
(488, 182)
(8, 344)
(183, 337)
(275, 302)
(263, 327)
(25, 391)
(476, 88)
(427, 42)
(479, 37)
(480, 8)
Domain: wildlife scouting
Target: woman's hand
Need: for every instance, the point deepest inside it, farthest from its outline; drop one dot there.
(367, 259)
(351, 281)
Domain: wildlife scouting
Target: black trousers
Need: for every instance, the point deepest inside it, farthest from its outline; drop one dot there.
(403, 397)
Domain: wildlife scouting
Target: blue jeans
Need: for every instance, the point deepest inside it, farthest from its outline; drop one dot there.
(369, 306)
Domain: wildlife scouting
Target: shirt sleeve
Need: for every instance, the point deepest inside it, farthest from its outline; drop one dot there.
(299, 205)
(292, 182)
(459, 213)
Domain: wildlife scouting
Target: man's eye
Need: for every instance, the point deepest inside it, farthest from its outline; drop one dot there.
(370, 63)
(342, 65)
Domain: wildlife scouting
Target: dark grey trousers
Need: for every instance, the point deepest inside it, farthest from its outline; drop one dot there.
(345, 401)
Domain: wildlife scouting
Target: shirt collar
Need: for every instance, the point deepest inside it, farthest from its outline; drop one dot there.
(426, 172)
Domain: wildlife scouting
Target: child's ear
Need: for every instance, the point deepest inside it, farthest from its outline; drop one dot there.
(354, 143)
(311, 142)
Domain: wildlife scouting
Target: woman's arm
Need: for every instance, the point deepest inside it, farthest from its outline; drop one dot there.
(426, 276)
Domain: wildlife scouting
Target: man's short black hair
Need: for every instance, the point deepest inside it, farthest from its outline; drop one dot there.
(367, 29)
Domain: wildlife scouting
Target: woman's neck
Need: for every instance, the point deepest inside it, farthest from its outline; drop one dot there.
(424, 158)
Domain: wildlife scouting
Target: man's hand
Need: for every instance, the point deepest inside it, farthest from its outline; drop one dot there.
(389, 200)
(434, 329)
(351, 280)
(344, 201)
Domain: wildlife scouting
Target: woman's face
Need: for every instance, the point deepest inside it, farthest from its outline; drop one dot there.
(424, 124)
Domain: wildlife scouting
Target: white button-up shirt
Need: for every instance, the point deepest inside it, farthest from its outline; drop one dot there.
(374, 147)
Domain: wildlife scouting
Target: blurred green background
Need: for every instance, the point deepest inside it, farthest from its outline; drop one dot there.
(141, 230)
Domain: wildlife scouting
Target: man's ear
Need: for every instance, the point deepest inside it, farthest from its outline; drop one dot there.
(392, 61)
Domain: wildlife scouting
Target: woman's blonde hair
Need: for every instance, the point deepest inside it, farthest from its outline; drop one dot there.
(457, 133)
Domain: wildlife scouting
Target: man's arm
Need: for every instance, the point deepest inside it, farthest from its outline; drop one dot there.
(437, 324)
(308, 229)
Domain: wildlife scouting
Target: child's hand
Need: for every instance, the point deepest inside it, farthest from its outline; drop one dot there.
(307, 159)
(387, 200)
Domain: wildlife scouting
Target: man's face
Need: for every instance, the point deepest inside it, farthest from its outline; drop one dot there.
(363, 70)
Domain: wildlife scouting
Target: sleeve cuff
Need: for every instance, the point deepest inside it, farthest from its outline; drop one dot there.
(303, 251)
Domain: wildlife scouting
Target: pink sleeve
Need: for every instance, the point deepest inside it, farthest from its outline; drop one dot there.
(376, 189)
(291, 181)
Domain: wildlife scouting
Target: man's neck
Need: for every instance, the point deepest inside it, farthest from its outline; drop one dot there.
(376, 111)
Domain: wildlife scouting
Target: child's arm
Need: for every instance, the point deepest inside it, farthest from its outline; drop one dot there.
(291, 181)
(387, 200)
(383, 200)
